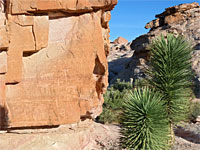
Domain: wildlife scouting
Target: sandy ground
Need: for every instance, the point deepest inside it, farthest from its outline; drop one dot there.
(96, 137)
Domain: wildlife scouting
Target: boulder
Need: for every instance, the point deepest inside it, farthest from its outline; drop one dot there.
(120, 40)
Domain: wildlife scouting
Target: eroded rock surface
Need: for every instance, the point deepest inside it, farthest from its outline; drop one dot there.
(82, 136)
(53, 66)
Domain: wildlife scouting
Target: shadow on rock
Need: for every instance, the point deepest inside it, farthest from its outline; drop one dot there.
(3, 118)
(187, 135)
(116, 66)
(197, 88)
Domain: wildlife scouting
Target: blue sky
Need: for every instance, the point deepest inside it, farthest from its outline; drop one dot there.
(130, 16)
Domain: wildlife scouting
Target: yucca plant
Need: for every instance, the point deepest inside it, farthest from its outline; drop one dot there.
(170, 74)
(144, 123)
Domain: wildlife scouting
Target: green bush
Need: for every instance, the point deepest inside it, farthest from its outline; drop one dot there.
(140, 83)
(144, 123)
(194, 111)
(122, 85)
(113, 100)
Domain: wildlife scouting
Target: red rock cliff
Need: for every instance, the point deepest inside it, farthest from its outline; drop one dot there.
(53, 67)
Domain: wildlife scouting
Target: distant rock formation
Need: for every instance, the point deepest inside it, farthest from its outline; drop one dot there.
(120, 40)
(174, 15)
(53, 67)
(120, 54)
(183, 20)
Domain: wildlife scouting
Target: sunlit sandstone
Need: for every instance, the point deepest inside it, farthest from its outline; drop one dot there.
(53, 67)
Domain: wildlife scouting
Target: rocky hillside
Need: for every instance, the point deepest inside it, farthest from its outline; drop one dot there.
(181, 20)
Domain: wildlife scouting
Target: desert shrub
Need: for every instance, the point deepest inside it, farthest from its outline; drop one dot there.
(144, 123)
(113, 100)
(148, 117)
(122, 85)
(142, 82)
(194, 111)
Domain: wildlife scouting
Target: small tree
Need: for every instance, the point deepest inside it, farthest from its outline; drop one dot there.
(144, 124)
(170, 74)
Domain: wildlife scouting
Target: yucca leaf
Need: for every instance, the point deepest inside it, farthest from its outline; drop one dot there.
(170, 73)
(144, 123)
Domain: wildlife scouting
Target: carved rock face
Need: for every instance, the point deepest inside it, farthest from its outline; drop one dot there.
(53, 69)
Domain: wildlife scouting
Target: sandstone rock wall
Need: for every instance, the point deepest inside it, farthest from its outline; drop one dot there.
(53, 67)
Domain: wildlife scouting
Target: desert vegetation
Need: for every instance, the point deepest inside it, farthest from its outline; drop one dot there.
(152, 107)
(113, 100)
(170, 74)
(144, 124)
(194, 111)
